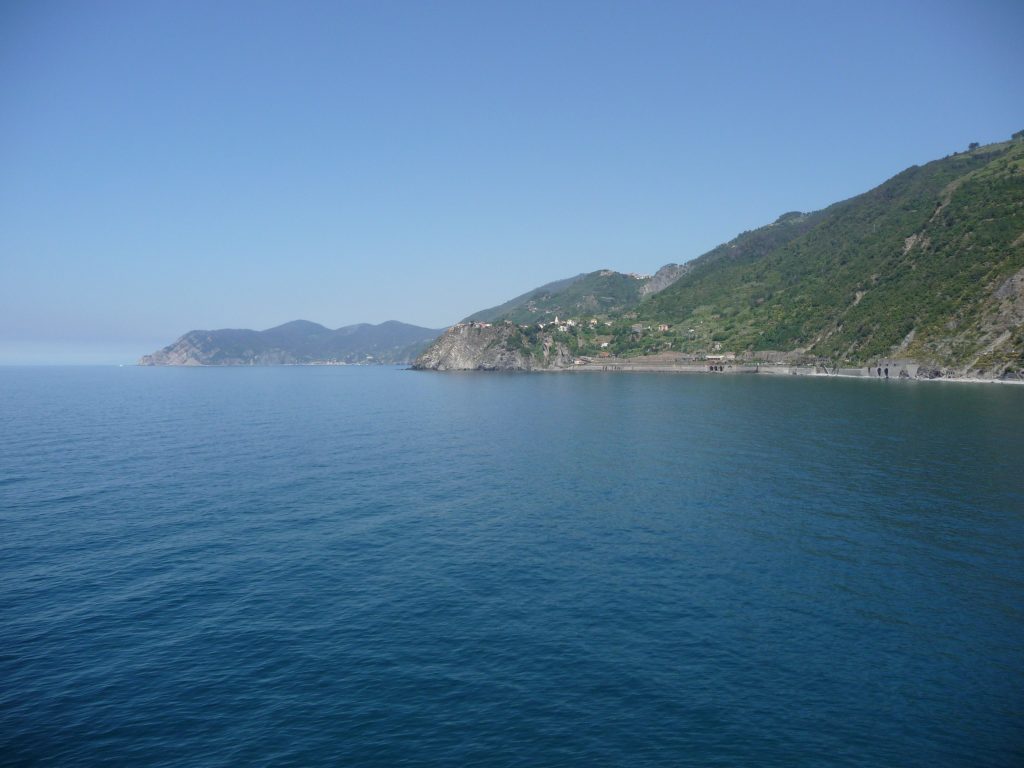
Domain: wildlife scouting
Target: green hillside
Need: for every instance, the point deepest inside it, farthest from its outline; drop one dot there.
(917, 266)
(928, 266)
(596, 293)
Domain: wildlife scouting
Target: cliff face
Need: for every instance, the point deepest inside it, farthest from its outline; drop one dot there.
(663, 278)
(498, 347)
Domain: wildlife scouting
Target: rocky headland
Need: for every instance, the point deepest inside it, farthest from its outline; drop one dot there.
(493, 347)
(299, 342)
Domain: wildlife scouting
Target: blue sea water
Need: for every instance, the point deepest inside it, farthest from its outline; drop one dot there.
(378, 567)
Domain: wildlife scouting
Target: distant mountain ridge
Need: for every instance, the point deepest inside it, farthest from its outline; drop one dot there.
(296, 343)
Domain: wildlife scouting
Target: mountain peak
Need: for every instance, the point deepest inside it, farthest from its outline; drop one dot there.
(298, 325)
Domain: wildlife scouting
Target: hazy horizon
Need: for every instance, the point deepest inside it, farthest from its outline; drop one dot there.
(179, 166)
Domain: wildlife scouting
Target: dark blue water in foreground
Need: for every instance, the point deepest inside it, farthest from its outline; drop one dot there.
(370, 566)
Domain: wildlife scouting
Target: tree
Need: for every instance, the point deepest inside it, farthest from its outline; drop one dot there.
(973, 145)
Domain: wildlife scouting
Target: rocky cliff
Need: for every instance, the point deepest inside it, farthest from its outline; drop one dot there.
(494, 347)
(663, 278)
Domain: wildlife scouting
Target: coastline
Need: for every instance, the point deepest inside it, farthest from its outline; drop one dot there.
(937, 379)
(635, 366)
(501, 347)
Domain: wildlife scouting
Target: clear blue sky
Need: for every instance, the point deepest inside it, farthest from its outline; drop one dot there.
(178, 165)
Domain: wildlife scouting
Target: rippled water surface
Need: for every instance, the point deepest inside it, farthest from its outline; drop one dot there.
(371, 566)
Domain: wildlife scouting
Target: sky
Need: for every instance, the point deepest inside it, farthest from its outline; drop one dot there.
(177, 165)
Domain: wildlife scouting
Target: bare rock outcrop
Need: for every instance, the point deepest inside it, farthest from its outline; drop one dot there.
(663, 278)
(493, 347)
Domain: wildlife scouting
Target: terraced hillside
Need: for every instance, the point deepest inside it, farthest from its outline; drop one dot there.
(928, 265)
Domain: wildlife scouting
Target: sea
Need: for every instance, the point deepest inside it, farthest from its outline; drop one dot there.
(372, 566)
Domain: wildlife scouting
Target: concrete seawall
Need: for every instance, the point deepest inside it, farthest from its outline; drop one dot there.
(882, 370)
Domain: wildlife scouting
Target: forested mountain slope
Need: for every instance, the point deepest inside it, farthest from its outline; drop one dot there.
(926, 265)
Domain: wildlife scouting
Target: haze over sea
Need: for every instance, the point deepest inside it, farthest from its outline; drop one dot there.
(371, 566)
